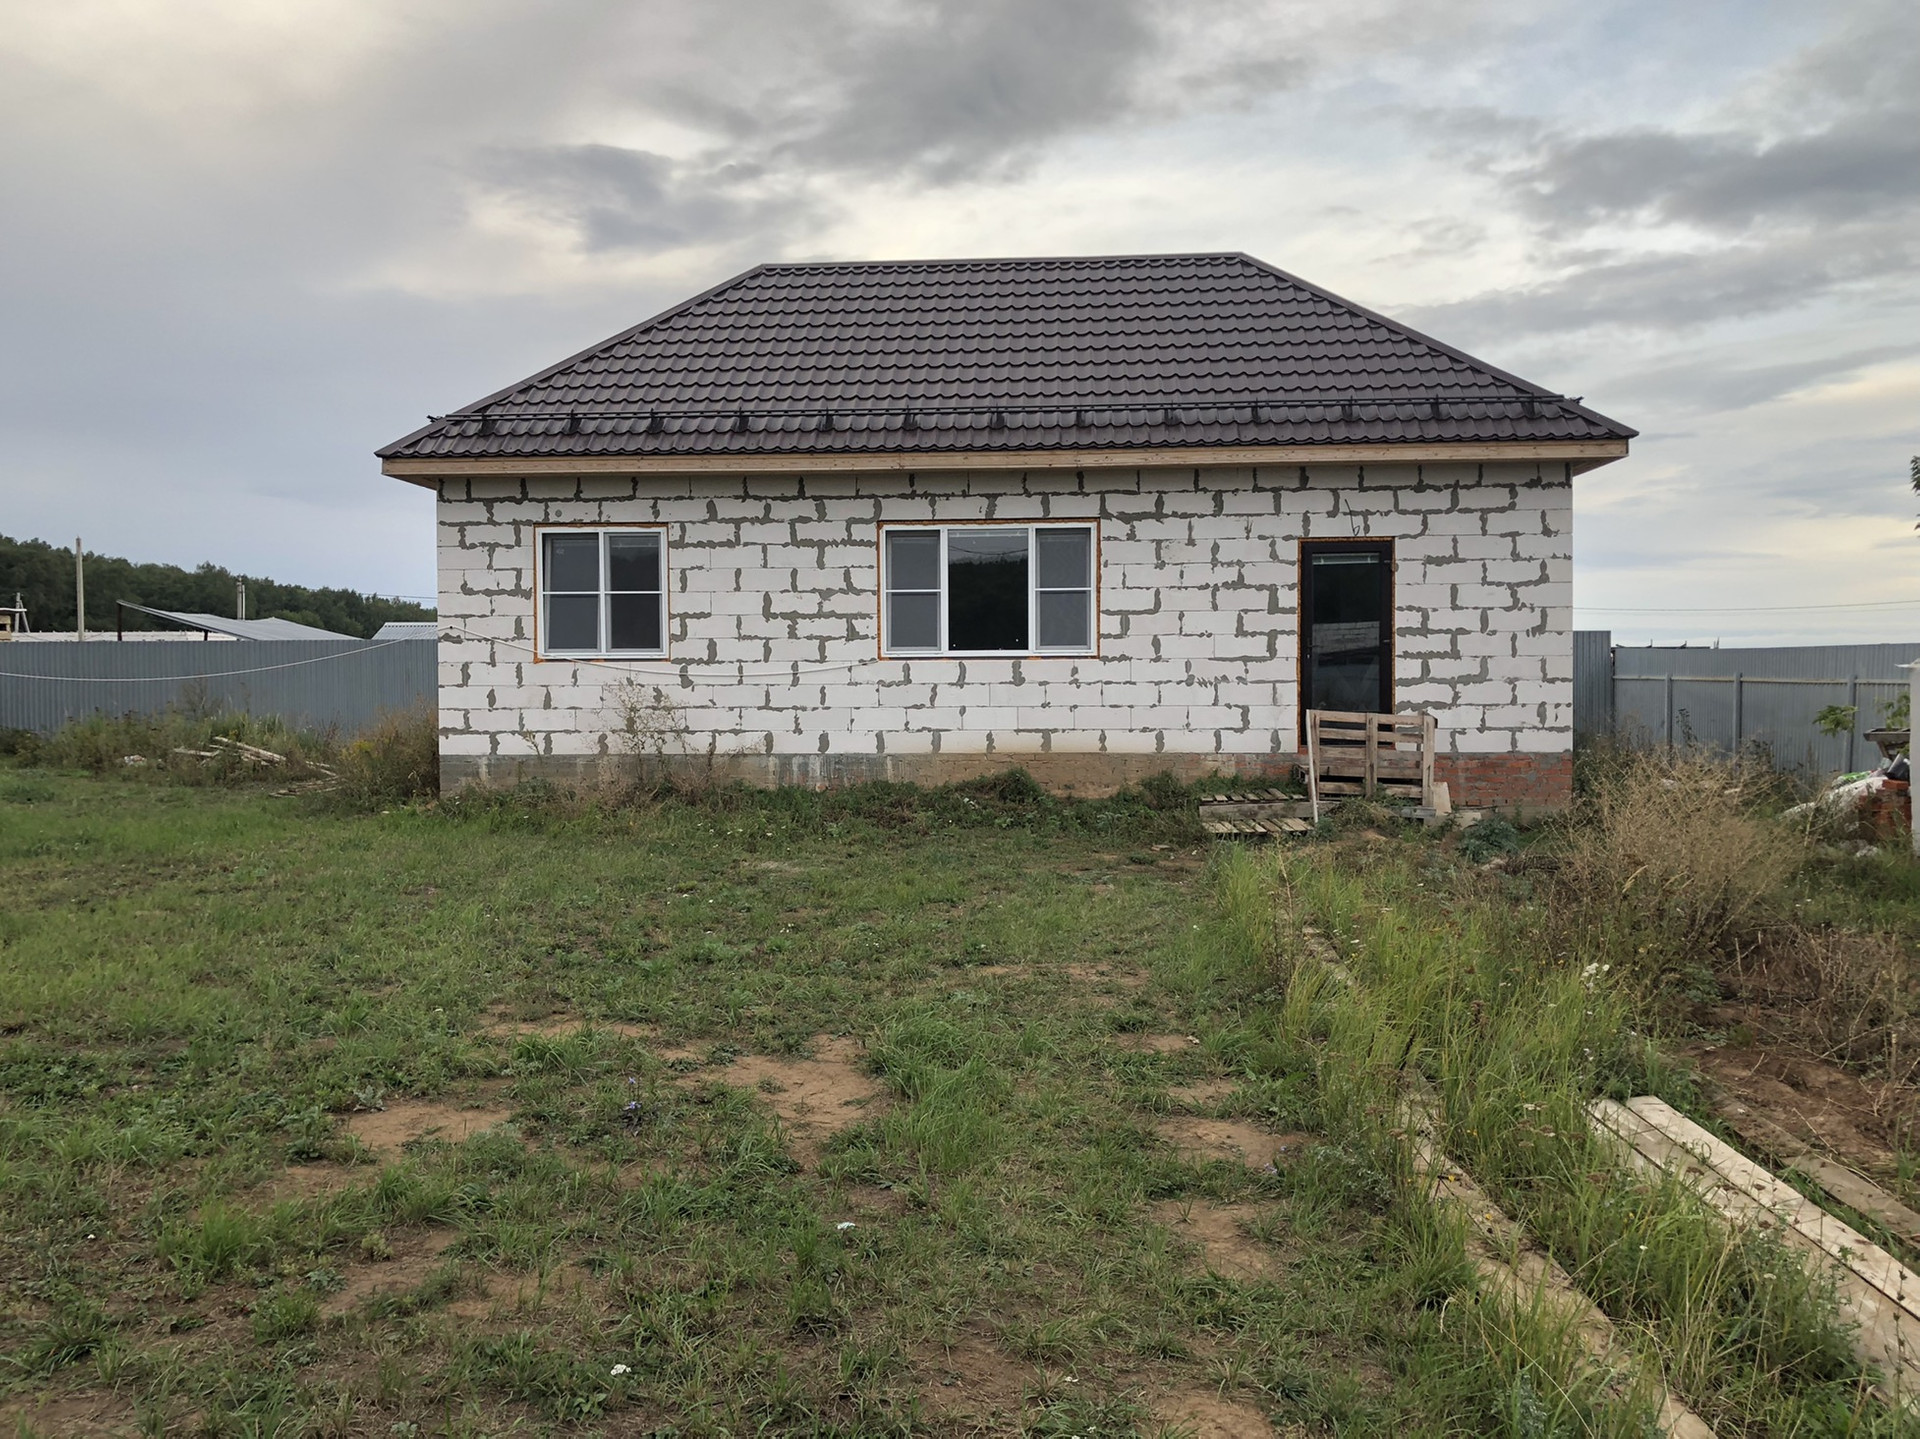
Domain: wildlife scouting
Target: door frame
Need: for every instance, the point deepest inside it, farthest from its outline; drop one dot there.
(1308, 548)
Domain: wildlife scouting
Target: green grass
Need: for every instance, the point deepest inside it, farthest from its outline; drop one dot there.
(199, 985)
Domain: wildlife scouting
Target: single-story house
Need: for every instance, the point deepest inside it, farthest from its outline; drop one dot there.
(1097, 517)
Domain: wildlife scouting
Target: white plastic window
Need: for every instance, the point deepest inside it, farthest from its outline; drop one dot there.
(988, 589)
(603, 592)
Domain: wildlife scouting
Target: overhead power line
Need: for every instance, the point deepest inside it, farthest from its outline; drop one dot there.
(1741, 609)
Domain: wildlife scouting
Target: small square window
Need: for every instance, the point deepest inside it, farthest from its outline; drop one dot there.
(602, 592)
(988, 589)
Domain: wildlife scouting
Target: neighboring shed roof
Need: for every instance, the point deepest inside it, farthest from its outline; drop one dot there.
(239, 629)
(408, 630)
(1145, 351)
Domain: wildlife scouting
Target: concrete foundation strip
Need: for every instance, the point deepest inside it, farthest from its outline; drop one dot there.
(1490, 1235)
(1531, 1277)
(1873, 1289)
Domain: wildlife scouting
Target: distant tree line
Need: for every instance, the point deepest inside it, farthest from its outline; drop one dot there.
(43, 576)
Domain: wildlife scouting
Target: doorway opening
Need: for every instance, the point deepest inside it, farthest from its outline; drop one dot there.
(1346, 626)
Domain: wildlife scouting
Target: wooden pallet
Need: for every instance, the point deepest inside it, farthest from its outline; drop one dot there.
(1233, 828)
(1350, 753)
(1251, 796)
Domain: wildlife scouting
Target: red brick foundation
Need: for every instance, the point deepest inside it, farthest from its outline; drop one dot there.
(1527, 783)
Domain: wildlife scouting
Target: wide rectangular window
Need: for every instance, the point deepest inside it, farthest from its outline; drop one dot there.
(988, 589)
(603, 592)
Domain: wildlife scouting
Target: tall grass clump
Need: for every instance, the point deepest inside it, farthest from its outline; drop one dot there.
(1674, 856)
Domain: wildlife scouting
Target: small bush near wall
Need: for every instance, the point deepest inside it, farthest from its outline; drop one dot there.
(395, 759)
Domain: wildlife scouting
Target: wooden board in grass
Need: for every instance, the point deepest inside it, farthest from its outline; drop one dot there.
(1873, 1289)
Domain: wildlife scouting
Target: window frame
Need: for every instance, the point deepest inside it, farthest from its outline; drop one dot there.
(884, 645)
(542, 649)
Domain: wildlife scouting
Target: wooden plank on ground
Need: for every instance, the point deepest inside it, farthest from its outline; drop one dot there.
(1856, 1191)
(1873, 1289)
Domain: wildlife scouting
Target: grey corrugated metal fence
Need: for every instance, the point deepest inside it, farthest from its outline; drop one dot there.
(1729, 698)
(312, 684)
(1592, 684)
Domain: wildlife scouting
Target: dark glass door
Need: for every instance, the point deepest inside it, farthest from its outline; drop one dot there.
(1346, 626)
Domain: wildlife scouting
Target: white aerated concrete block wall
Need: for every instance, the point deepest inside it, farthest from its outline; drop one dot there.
(774, 618)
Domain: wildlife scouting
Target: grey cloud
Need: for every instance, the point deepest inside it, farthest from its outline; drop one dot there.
(1728, 181)
(951, 89)
(1807, 186)
(942, 91)
(625, 199)
(1668, 291)
(1698, 384)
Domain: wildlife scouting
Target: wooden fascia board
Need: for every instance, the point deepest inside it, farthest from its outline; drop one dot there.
(1582, 454)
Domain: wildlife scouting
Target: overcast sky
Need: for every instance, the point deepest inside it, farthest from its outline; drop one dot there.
(246, 243)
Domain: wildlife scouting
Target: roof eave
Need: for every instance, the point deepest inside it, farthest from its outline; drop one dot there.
(1579, 455)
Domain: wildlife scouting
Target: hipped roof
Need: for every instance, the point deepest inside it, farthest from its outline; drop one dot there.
(968, 356)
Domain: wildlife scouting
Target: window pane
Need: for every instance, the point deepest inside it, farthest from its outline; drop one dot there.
(573, 622)
(987, 589)
(913, 559)
(634, 621)
(1345, 682)
(573, 563)
(913, 622)
(1347, 609)
(1063, 619)
(1063, 559)
(633, 562)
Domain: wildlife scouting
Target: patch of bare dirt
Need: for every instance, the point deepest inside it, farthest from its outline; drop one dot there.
(1217, 1229)
(1203, 1094)
(1106, 982)
(877, 1200)
(501, 1024)
(1820, 1105)
(310, 1181)
(1156, 1043)
(77, 1414)
(814, 1098)
(385, 1131)
(1238, 1141)
(974, 1377)
(1202, 1414)
(521, 1293)
(414, 1257)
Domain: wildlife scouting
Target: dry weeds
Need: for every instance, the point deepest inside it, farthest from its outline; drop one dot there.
(1670, 839)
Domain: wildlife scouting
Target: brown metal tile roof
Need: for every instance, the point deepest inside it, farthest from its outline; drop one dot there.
(1150, 351)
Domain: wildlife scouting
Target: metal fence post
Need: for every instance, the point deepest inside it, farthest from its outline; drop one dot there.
(1739, 712)
(1853, 703)
(1667, 688)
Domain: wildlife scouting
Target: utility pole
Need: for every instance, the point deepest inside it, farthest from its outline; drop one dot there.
(239, 599)
(79, 592)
